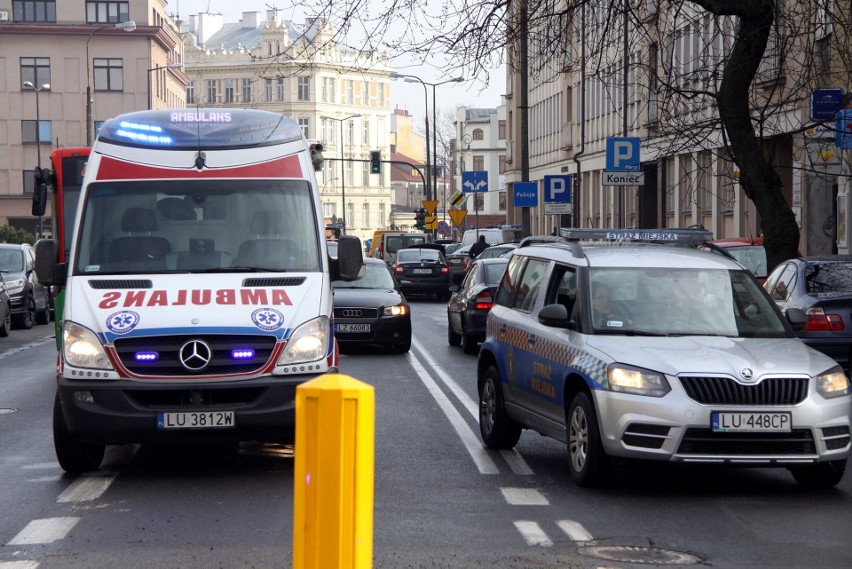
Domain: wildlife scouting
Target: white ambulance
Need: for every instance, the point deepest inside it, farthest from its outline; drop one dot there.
(198, 287)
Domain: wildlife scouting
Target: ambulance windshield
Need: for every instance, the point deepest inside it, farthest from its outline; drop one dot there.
(198, 226)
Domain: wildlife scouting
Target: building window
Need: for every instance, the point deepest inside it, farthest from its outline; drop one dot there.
(350, 91)
(34, 10)
(304, 88)
(99, 12)
(268, 90)
(280, 88)
(478, 134)
(28, 132)
(329, 209)
(190, 93)
(365, 215)
(478, 163)
(305, 126)
(479, 201)
(365, 133)
(212, 97)
(501, 197)
(29, 181)
(108, 74)
(351, 136)
(501, 129)
(381, 87)
(365, 93)
(350, 213)
(229, 90)
(36, 70)
(502, 166)
(382, 215)
(246, 90)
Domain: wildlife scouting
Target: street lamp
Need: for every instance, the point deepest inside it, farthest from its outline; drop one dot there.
(39, 89)
(342, 167)
(410, 79)
(157, 68)
(127, 26)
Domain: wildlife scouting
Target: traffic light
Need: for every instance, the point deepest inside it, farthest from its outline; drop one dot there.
(420, 219)
(375, 162)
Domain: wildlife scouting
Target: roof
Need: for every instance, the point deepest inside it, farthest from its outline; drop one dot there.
(479, 115)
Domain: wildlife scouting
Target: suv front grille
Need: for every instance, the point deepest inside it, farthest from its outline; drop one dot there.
(167, 348)
(706, 442)
(726, 391)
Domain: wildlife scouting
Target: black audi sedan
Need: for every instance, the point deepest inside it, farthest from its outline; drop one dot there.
(822, 287)
(468, 308)
(372, 310)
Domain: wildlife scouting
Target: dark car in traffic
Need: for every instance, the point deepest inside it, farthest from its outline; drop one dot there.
(372, 310)
(423, 270)
(31, 300)
(822, 287)
(458, 261)
(5, 310)
(496, 251)
(470, 303)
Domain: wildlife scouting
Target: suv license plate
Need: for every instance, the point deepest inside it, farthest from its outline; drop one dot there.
(196, 420)
(728, 422)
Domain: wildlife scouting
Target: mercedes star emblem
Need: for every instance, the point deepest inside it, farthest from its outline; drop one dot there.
(195, 355)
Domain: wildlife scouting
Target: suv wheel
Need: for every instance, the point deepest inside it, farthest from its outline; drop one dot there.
(822, 475)
(43, 316)
(27, 319)
(588, 462)
(498, 430)
(73, 456)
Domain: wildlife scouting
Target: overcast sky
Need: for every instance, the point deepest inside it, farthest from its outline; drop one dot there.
(403, 95)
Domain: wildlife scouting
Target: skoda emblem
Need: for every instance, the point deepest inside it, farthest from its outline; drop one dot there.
(195, 355)
(746, 373)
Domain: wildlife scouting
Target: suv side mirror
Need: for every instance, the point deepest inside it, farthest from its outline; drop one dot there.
(555, 316)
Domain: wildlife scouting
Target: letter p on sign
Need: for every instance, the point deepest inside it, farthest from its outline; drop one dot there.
(622, 154)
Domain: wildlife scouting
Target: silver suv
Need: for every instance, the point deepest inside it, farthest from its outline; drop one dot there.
(653, 351)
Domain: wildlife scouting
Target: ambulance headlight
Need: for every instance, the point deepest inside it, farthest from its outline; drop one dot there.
(832, 383)
(637, 381)
(308, 343)
(81, 347)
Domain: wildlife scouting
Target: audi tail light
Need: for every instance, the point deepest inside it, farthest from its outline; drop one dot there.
(819, 321)
(398, 270)
(484, 300)
(445, 269)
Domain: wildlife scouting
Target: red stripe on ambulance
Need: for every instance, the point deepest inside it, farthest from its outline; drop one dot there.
(112, 169)
(195, 297)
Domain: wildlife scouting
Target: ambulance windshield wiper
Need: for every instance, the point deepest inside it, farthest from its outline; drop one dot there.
(239, 269)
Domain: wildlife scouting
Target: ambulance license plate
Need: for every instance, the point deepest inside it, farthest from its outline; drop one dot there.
(196, 420)
(736, 422)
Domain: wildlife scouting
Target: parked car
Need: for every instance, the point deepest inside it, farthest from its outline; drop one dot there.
(822, 287)
(5, 310)
(423, 270)
(470, 303)
(494, 235)
(496, 251)
(459, 261)
(31, 300)
(372, 310)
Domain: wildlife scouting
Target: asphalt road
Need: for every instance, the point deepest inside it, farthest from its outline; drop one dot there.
(441, 499)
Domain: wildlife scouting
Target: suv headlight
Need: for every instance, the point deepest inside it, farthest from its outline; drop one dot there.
(636, 381)
(308, 343)
(81, 347)
(14, 286)
(832, 383)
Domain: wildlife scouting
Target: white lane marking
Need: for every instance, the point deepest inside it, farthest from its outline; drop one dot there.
(513, 458)
(27, 346)
(46, 530)
(41, 466)
(533, 534)
(86, 488)
(524, 497)
(471, 442)
(18, 564)
(574, 530)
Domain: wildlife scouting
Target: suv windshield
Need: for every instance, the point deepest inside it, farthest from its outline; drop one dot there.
(12, 260)
(670, 301)
(197, 225)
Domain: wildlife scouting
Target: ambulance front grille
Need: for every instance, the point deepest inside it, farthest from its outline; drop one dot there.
(160, 355)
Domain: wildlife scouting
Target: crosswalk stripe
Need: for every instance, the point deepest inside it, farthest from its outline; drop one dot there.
(524, 497)
(18, 564)
(86, 488)
(46, 530)
(574, 530)
(532, 533)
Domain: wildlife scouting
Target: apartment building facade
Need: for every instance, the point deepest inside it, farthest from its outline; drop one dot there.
(339, 96)
(66, 67)
(650, 76)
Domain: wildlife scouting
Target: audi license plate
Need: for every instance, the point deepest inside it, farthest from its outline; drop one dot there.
(352, 328)
(422, 271)
(733, 422)
(196, 420)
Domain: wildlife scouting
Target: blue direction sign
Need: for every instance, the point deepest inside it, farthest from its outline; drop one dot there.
(525, 194)
(825, 102)
(622, 154)
(475, 181)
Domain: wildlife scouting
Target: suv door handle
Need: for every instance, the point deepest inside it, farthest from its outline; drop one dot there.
(501, 330)
(531, 340)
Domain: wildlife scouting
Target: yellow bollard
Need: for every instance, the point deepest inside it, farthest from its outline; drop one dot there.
(333, 474)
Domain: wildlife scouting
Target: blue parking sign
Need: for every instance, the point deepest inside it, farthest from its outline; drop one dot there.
(557, 189)
(623, 154)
